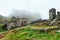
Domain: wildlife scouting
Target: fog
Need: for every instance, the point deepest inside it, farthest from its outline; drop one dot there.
(31, 16)
(40, 6)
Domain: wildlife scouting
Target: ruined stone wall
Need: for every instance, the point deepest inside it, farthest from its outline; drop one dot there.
(11, 25)
(21, 22)
(52, 13)
(58, 15)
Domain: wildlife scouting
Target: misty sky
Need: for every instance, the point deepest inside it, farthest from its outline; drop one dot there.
(38, 6)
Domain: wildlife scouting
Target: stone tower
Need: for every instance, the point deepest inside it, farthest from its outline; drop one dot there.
(58, 15)
(52, 14)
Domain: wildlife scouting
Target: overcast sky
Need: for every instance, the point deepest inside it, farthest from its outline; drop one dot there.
(39, 6)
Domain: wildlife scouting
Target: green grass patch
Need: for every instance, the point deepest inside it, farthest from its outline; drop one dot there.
(28, 34)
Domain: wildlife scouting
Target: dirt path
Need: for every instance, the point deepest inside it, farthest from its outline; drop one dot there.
(3, 34)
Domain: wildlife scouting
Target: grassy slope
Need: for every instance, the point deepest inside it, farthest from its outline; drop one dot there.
(28, 34)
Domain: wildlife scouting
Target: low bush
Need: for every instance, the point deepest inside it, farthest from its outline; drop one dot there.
(1, 30)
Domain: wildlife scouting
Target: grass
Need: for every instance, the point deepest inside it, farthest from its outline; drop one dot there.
(26, 33)
(1, 30)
